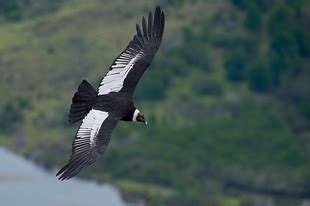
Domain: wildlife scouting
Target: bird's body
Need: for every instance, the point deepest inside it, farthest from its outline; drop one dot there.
(119, 104)
(100, 110)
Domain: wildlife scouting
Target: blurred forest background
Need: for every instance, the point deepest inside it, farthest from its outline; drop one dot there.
(227, 97)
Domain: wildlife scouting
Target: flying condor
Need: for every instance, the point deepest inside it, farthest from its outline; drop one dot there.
(101, 110)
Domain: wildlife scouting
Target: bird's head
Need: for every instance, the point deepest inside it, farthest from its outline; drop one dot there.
(138, 117)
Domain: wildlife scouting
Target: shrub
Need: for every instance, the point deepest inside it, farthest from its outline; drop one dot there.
(303, 42)
(235, 65)
(253, 21)
(188, 33)
(241, 4)
(250, 6)
(10, 117)
(207, 86)
(277, 67)
(10, 10)
(259, 78)
(154, 84)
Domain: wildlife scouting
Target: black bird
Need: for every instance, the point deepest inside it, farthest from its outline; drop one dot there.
(101, 110)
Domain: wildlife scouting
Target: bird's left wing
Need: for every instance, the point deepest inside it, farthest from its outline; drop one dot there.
(90, 142)
(130, 65)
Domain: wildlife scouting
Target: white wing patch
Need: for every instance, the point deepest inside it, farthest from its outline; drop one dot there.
(90, 127)
(114, 79)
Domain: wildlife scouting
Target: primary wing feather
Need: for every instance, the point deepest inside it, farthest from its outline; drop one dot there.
(130, 65)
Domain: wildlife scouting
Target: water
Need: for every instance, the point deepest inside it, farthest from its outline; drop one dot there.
(22, 183)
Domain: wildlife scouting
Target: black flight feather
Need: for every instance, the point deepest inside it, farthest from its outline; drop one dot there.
(150, 26)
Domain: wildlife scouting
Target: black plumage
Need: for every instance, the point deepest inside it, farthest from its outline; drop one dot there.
(100, 110)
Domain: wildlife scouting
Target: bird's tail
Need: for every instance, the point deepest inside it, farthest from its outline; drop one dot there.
(82, 101)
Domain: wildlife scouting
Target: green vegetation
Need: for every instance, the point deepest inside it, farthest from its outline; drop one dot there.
(227, 97)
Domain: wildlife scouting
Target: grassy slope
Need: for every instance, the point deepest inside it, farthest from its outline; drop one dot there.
(196, 142)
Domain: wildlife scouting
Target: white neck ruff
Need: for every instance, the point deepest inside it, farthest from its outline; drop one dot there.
(135, 115)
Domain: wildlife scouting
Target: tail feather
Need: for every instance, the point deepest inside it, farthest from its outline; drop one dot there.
(82, 102)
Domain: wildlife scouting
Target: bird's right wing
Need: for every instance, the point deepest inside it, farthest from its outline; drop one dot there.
(90, 142)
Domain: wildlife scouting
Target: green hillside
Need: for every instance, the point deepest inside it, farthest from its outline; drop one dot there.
(227, 97)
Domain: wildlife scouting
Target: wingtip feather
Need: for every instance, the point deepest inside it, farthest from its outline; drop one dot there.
(153, 26)
(144, 27)
(62, 169)
(162, 24)
(150, 22)
(139, 33)
(158, 8)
